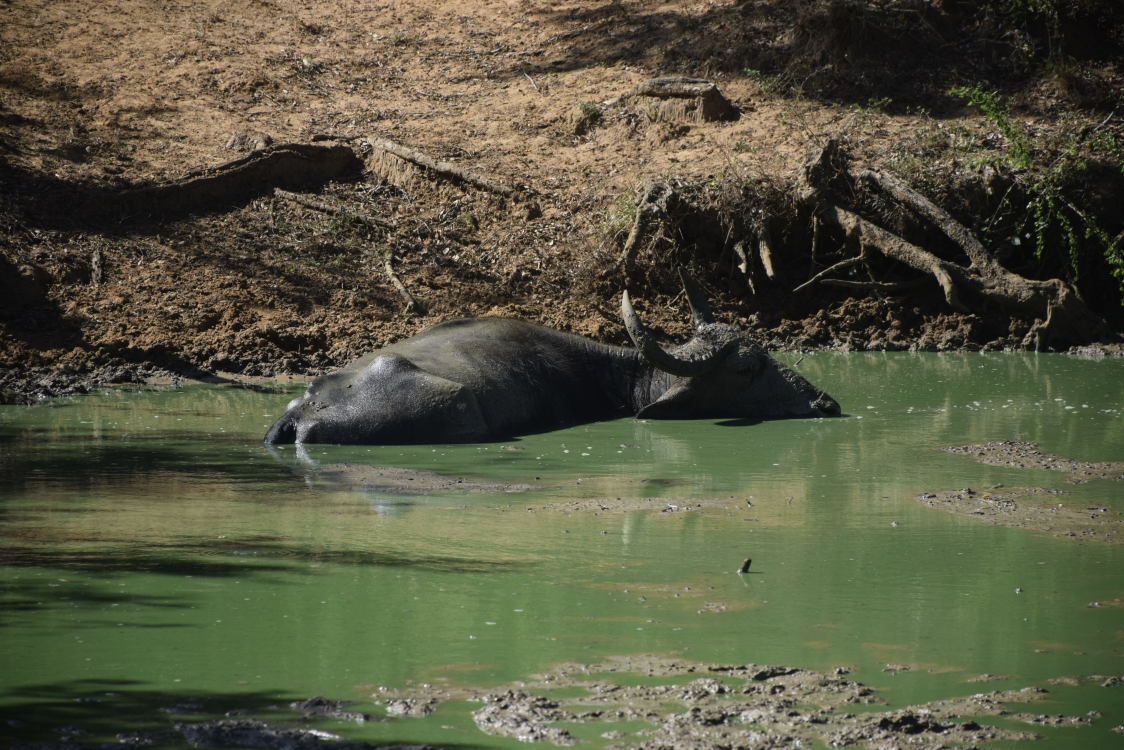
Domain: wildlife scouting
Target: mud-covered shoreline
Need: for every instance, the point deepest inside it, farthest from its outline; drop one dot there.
(1051, 511)
(1018, 455)
(643, 701)
(1034, 508)
(722, 705)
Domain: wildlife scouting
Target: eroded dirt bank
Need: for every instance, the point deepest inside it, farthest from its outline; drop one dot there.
(100, 283)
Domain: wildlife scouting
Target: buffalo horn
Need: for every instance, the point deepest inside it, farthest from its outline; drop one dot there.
(654, 353)
(700, 308)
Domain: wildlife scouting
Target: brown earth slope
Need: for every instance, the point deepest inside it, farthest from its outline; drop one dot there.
(99, 99)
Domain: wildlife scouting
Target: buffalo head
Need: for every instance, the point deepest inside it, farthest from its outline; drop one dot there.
(722, 372)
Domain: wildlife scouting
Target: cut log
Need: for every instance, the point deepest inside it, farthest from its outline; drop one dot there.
(670, 99)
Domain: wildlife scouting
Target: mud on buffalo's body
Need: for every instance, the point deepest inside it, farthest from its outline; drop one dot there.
(491, 378)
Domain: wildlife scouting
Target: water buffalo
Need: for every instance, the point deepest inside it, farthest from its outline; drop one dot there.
(491, 378)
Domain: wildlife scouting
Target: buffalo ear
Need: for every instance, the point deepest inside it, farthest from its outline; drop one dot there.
(674, 404)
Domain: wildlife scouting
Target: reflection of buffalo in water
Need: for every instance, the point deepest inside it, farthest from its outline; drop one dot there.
(490, 378)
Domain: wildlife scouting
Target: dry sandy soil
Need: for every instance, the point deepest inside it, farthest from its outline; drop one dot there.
(101, 98)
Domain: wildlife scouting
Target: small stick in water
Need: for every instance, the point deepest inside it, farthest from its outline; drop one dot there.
(745, 566)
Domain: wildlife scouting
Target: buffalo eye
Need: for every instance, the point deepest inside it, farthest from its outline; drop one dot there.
(745, 360)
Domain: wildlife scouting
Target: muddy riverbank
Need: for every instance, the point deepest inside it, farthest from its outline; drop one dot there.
(548, 142)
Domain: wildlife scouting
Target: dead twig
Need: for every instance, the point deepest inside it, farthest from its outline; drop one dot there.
(443, 168)
(412, 305)
(327, 208)
(876, 286)
(837, 267)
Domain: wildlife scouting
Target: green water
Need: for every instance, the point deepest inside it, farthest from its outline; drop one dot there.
(153, 551)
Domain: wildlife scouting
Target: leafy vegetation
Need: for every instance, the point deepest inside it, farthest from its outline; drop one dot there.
(1048, 169)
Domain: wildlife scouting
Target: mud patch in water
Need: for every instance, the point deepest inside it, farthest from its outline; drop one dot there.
(631, 504)
(1016, 455)
(392, 480)
(1031, 508)
(750, 706)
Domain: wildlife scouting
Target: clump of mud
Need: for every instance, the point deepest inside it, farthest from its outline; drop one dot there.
(319, 706)
(746, 706)
(1016, 455)
(1031, 508)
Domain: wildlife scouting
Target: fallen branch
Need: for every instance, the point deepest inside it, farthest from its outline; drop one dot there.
(444, 168)
(323, 207)
(412, 305)
(699, 99)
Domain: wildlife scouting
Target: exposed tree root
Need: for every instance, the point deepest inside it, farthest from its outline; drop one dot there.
(765, 251)
(745, 266)
(323, 207)
(651, 206)
(892, 246)
(443, 168)
(1061, 316)
(291, 165)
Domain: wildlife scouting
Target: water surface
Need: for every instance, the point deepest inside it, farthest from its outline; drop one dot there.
(155, 555)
